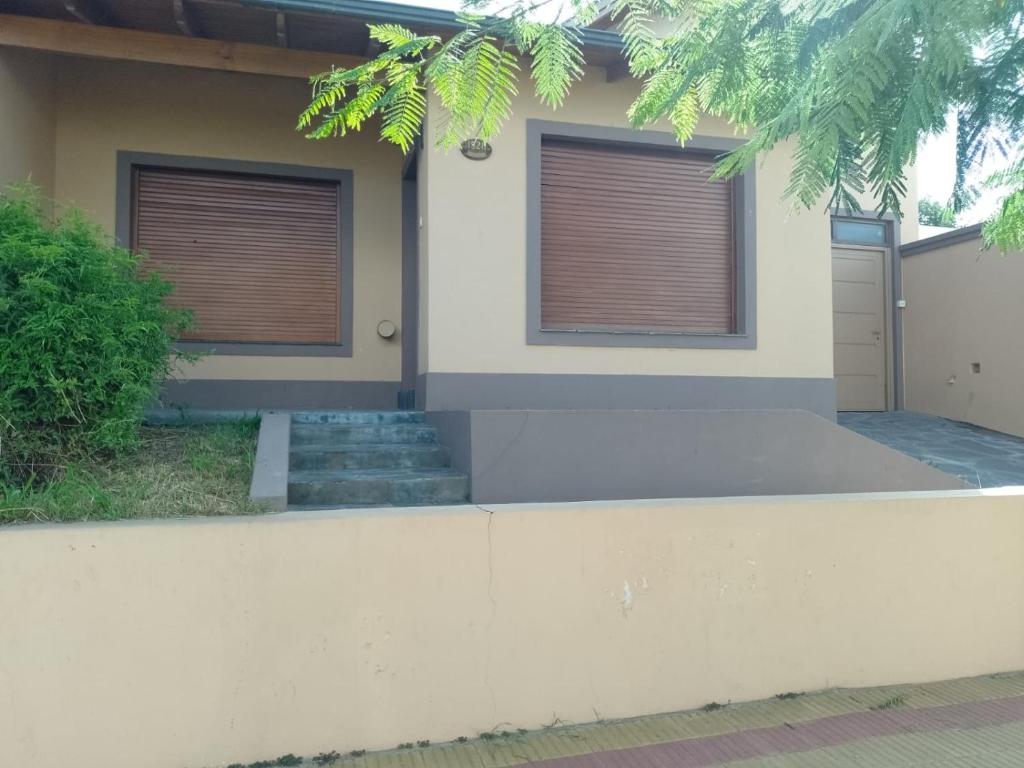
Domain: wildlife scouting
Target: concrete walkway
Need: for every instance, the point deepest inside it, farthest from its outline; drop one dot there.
(972, 722)
(979, 457)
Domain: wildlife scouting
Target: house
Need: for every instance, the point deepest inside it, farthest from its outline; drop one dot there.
(582, 266)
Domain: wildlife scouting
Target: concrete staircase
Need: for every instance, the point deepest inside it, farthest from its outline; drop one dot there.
(369, 458)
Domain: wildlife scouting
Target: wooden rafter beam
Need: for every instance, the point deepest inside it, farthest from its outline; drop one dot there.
(186, 19)
(282, 29)
(76, 39)
(87, 11)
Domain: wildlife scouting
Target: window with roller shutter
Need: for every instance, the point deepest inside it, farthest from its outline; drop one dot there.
(635, 238)
(257, 258)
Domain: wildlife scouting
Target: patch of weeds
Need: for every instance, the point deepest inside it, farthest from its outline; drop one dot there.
(893, 702)
(461, 739)
(357, 753)
(522, 731)
(172, 472)
(488, 735)
(287, 760)
(406, 745)
(711, 706)
(423, 743)
(787, 695)
(327, 758)
(262, 764)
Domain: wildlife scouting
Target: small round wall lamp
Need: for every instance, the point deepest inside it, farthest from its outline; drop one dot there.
(475, 149)
(386, 329)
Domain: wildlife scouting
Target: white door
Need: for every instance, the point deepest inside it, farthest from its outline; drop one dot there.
(860, 328)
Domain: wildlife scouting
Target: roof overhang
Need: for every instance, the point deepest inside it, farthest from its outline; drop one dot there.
(299, 26)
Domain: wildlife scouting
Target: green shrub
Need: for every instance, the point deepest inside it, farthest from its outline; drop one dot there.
(85, 339)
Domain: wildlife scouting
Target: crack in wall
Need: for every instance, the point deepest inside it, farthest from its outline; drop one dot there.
(494, 607)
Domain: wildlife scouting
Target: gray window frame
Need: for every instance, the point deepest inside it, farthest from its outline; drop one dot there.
(127, 161)
(745, 222)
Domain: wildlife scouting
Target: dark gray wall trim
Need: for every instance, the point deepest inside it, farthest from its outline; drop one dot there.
(555, 391)
(126, 161)
(943, 240)
(409, 333)
(247, 394)
(895, 278)
(746, 244)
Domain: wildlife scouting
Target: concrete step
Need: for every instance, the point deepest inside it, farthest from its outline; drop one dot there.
(370, 456)
(332, 435)
(358, 417)
(402, 487)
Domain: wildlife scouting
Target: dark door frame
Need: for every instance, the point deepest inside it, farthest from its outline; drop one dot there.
(409, 333)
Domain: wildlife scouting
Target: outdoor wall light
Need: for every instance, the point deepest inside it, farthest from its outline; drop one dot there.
(475, 149)
(386, 329)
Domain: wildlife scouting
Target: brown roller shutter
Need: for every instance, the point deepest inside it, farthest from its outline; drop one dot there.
(635, 239)
(256, 258)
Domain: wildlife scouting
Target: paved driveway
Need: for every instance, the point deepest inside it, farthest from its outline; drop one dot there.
(980, 457)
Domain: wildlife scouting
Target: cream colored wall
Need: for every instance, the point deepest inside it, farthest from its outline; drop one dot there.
(27, 118)
(477, 266)
(963, 307)
(164, 644)
(104, 107)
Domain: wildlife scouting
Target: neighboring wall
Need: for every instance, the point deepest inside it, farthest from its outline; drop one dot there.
(164, 644)
(102, 107)
(964, 308)
(475, 296)
(27, 118)
(576, 455)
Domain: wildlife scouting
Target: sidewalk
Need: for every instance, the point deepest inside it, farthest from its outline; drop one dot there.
(972, 722)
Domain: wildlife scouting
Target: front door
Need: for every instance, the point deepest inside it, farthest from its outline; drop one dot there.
(859, 326)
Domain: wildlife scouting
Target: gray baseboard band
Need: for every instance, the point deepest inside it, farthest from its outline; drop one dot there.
(484, 391)
(247, 394)
(496, 391)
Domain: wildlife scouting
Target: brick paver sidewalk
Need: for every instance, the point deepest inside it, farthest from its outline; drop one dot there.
(972, 722)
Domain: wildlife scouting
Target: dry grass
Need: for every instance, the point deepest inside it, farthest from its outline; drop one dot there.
(176, 472)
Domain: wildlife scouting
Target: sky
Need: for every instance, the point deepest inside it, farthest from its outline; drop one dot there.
(936, 172)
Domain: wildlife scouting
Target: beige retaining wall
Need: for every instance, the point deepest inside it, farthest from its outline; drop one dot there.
(964, 307)
(192, 643)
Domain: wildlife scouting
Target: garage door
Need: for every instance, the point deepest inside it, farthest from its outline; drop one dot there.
(256, 258)
(859, 325)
